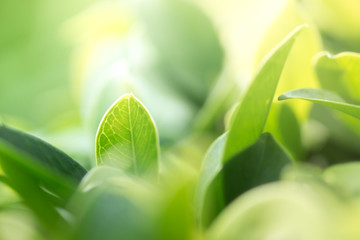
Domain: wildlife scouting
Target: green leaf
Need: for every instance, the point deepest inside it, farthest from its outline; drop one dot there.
(258, 164)
(176, 215)
(290, 131)
(211, 166)
(41, 152)
(42, 175)
(219, 184)
(325, 98)
(113, 205)
(107, 214)
(46, 166)
(340, 74)
(336, 21)
(250, 116)
(247, 124)
(299, 71)
(127, 137)
(26, 184)
(98, 176)
(281, 210)
(18, 224)
(345, 177)
(283, 124)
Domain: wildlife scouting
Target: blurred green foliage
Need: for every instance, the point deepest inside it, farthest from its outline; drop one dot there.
(205, 150)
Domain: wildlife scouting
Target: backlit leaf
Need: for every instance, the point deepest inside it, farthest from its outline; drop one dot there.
(340, 74)
(127, 137)
(249, 118)
(325, 98)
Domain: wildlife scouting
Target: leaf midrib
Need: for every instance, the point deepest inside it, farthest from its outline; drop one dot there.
(132, 139)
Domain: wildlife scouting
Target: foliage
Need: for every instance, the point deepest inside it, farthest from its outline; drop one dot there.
(191, 149)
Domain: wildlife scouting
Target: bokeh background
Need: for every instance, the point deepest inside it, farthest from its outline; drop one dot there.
(62, 64)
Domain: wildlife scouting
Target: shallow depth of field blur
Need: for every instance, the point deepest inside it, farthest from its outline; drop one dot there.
(64, 63)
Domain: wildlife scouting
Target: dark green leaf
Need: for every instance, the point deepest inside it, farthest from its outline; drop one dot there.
(259, 164)
(26, 184)
(42, 175)
(42, 152)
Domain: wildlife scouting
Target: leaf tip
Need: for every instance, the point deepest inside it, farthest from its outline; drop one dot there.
(322, 56)
(295, 32)
(128, 95)
(301, 27)
(267, 135)
(282, 97)
(131, 96)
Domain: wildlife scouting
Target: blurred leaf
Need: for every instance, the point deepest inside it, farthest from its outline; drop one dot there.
(27, 186)
(189, 50)
(302, 172)
(43, 153)
(18, 224)
(325, 98)
(249, 118)
(211, 166)
(109, 215)
(111, 205)
(329, 140)
(337, 20)
(113, 179)
(23, 156)
(127, 137)
(42, 175)
(340, 74)
(176, 215)
(345, 177)
(283, 210)
(189, 151)
(224, 93)
(98, 176)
